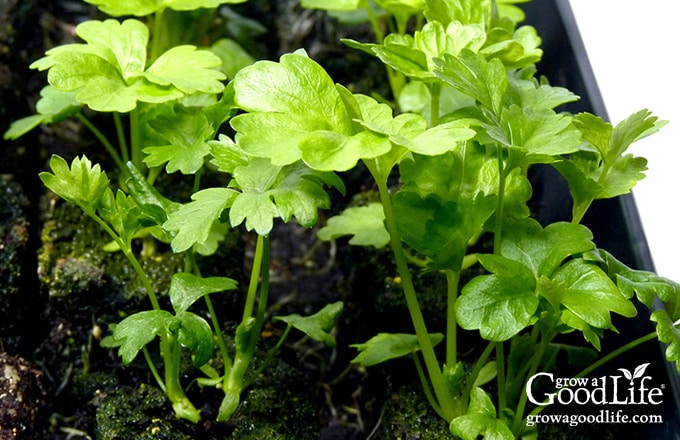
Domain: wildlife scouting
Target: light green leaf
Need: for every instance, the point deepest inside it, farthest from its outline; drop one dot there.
(269, 192)
(318, 325)
(668, 333)
(141, 8)
(364, 223)
(544, 250)
(186, 289)
(187, 132)
(386, 346)
(499, 305)
(82, 184)
(122, 213)
(192, 223)
(135, 331)
(285, 102)
(189, 69)
(591, 295)
(233, 56)
(333, 5)
(53, 106)
(480, 420)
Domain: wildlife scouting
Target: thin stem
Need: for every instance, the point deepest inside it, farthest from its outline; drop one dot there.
(152, 367)
(499, 208)
(221, 344)
(519, 413)
(432, 365)
(435, 94)
(452, 281)
(500, 376)
(127, 251)
(617, 352)
(156, 38)
(270, 356)
(104, 141)
(254, 279)
(472, 378)
(135, 140)
(120, 133)
(426, 386)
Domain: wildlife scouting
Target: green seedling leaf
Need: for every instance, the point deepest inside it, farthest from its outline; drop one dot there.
(53, 106)
(285, 102)
(442, 202)
(269, 191)
(195, 334)
(108, 73)
(499, 305)
(480, 420)
(364, 223)
(318, 325)
(135, 331)
(646, 286)
(186, 289)
(227, 155)
(668, 333)
(544, 250)
(485, 81)
(192, 223)
(188, 131)
(601, 169)
(155, 208)
(82, 184)
(590, 294)
(188, 69)
(233, 56)
(122, 213)
(516, 48)
(142, 8)
(414, 55)
(386, 346)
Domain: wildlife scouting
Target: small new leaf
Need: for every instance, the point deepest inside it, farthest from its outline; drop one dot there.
(480, 420)
(186, 289)
(137, 330)
(318, 325)
(386, 346)
(364, 223)
(188, 132)
(82, 184)
(668, 333)
(192, 223)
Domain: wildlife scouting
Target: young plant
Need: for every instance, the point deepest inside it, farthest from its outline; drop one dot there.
(176, 101)
(463, 164)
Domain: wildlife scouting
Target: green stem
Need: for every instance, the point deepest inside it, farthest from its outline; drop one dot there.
(500, 376)
(172, 355)
(426, 386)
(152, 367)
(452, 281)
(432, 365)
(135, 140)
(254, 279)
(499, 208)
(435, 94)
(519, 413)
(270, 356)
(472, 378)
(105, 142)
(120, 134)
(157, 34)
